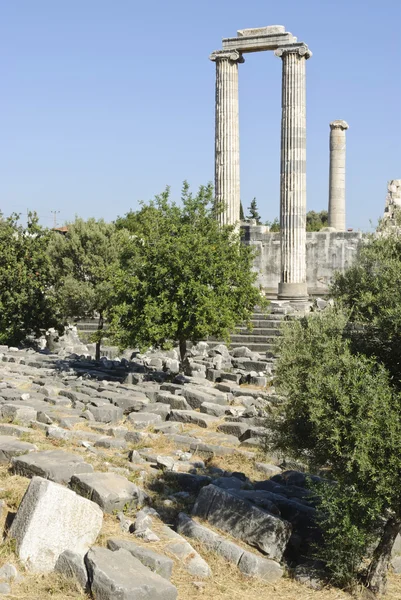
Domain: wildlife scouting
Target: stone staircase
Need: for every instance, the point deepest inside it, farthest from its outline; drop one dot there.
(262, 338)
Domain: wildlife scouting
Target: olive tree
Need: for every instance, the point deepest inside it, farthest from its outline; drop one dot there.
(343, 413)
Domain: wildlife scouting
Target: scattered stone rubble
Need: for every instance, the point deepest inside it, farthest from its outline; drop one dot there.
(132, 440)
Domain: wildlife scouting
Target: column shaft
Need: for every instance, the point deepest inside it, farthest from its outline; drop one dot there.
(227, 170)
(293, 174)
(337, 175)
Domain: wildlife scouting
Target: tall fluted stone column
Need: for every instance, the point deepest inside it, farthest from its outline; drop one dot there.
(292, 284)
(337, 175)
(227, 173)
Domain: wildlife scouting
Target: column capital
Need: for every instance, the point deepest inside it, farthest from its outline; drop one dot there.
(339, 125)
(231, 55)
(301, 49)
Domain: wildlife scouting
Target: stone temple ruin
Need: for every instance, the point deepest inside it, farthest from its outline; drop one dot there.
(292, 264)
(393, 200)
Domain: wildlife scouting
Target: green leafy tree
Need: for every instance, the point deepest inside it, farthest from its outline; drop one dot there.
(26, 304)
(315, 221)
(254, 212)
(343, 414)
(183, 277)
(274, 225)
(371, 290)
(84, 260)
(241, 212)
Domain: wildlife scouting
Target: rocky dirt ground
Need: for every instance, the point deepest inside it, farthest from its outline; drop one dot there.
(160, 481)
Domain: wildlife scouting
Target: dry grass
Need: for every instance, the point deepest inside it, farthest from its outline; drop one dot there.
(238, 462)
(226, 583)
(42, 587)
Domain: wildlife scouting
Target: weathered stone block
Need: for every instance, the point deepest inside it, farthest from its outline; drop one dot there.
(72, 565)
(158, 408)
(10, 446)
(242, 520)
(196, 397)
(50, 520)
(191, 416)
(143, 419)
(130, 404)
(18, 412)
(210, 408)
(109, 490)
(56, 465)
(119, 575)
(106, 414)
(174, 401)
(186, 554)
(233, 428)
(15, 430)
(158, 563)
(247, 562)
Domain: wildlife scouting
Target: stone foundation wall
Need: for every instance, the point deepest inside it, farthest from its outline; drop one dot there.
(326, 252)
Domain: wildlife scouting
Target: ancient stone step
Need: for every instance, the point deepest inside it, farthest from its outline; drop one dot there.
(182, 550)
(109, 490)
(262, 331)
(158, 563)
(253, 338)
(56, 465)
(11, 446)
(191, 416)
(242, 520)
(120, 575)
(248, 563)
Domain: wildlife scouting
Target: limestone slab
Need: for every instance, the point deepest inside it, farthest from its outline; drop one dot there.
(18, 412)
(242, 520)
(143, 419)
(196, 397)
(50, 520)
(191, 416)
(120, 576)
(182, 550)
(158, 563)
(215, 410)
(130, 404)
(249, 563)
(10, 446)
(72, 565)
(233, 428)
(106, 414)
(109, 490)
(56, 465)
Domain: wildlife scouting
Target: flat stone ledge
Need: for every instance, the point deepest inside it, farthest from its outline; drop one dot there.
(55, 465)
(158, 563)
(10, 447)
(191, 416)
(109, 490)
(119, 575)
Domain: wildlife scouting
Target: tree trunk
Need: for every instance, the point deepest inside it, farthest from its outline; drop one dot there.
(183, 350)
(376, 578)
(183, 357)
(98, 341)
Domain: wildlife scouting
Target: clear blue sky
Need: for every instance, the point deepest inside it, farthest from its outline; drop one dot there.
(105, 102)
